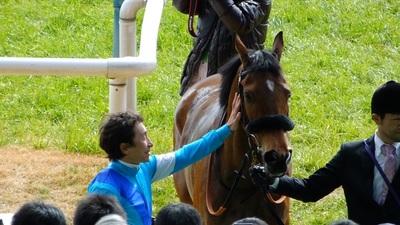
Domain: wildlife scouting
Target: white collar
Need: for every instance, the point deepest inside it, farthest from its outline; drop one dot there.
(378, 145)
(131, 165)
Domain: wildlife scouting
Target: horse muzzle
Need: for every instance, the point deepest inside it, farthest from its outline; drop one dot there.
(275, 165)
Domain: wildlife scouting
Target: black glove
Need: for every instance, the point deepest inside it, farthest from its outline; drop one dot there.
(259, 177)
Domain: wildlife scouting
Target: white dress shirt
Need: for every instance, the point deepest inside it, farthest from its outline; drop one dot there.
(378, 180)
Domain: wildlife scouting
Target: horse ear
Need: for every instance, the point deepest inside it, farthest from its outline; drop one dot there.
(242, 50)
(278, 45)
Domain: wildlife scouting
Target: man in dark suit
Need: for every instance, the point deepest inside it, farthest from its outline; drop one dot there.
(355, 169)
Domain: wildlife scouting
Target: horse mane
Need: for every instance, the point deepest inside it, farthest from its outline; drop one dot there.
(260, 60)
(228, 72)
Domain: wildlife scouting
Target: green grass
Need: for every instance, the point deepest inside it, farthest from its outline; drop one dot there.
(336, 54)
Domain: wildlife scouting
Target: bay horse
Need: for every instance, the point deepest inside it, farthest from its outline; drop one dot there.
(262, 138)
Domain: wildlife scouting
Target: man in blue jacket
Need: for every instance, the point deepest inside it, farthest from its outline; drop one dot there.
(132, 169)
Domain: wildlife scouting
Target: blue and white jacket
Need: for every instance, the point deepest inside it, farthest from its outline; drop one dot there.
(131, 184)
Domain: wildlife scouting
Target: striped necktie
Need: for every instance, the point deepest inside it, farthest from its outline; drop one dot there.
(390, 168)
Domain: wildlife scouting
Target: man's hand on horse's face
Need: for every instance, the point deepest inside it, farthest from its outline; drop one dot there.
(233, 121)
(258, 176)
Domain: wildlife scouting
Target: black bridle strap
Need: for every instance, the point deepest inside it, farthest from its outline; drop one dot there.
(271, 209)
(228, 199)
(245, 118)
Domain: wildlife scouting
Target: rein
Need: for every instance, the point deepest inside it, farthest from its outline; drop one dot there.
(271, 199)
(192, 13)
(256, 146)
(245, 160)
(239, 175)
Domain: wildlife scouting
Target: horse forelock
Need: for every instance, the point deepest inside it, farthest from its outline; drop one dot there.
(263, 60)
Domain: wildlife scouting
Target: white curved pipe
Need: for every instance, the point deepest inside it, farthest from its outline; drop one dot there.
(112, 68)
(121, 71)
(150, 33)
(123, 91)
(122, 67)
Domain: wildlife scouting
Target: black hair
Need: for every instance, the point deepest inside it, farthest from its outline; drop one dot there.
(95, 206)
(386, 99)
(117, 129)
(178, 214)
(38, 212)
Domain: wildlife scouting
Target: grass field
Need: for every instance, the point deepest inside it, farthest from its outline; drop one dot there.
(336, 54)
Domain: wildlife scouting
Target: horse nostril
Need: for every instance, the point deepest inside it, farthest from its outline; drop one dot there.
(270, 156)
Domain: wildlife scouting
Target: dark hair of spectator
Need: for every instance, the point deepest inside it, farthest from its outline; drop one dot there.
(95, 206)
(38, 213)
(178, 214)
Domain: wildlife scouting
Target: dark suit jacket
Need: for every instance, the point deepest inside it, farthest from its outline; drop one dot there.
(353, 169)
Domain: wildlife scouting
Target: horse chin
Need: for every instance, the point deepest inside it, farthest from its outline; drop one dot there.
(270, 172)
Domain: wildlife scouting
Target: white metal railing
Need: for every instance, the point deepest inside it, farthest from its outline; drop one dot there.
(121, 71)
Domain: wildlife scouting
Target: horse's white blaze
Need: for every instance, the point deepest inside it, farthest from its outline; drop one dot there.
(270, 85)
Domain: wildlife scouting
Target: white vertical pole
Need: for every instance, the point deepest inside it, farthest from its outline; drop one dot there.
(128, 48)
(117, 95)
(122, 91)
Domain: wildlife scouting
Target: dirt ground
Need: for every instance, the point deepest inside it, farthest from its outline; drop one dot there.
(51, 175)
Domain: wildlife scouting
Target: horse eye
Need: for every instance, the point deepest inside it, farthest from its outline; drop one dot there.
(247, 96)
(289, 94)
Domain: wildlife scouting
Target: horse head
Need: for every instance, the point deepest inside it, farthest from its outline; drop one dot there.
(265, 105)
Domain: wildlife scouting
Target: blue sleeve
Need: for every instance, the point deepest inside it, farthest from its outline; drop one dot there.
(199, 149)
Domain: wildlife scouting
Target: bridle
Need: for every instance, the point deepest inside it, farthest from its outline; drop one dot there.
(251, 138)
(255, 148)
(251, 127)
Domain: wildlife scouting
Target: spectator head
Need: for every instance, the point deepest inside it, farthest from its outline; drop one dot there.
(250, 221)
(112, 219)
(38, 213)
(178, 214)
(95, 206)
